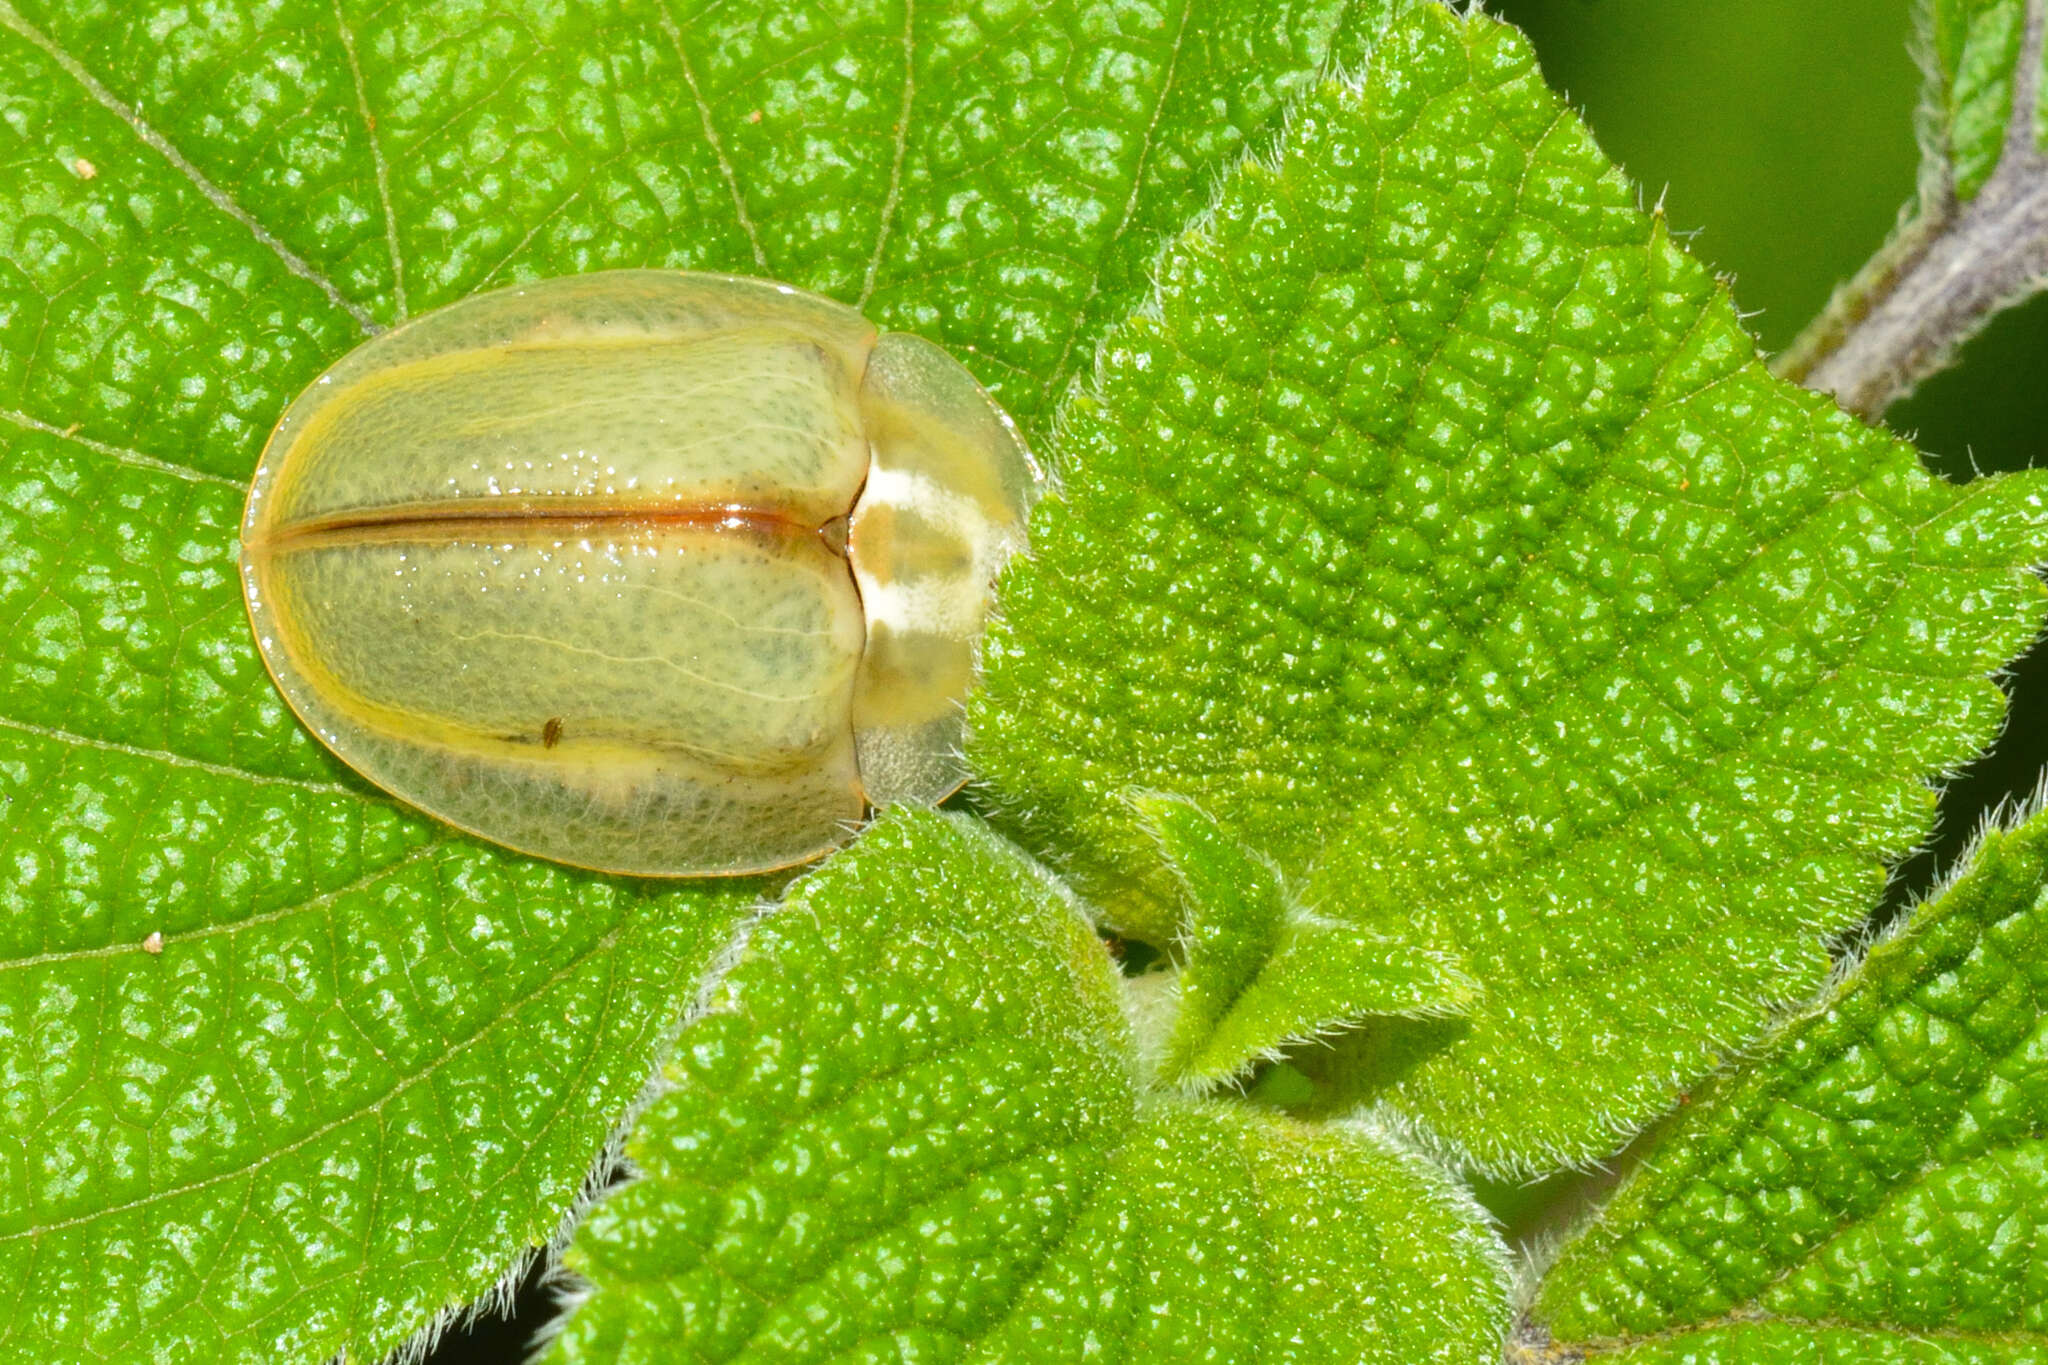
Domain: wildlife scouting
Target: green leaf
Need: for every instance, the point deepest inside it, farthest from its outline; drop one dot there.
(1001, 194)
(371, 1064)
(317, 167)
(1259, 971)
(919, 1135)
(374, 1063)
(1874, 1186)
(1973, 50)
(1438, 532)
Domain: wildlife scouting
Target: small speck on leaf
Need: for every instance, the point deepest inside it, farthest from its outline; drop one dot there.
(84, 169)
(154, 944)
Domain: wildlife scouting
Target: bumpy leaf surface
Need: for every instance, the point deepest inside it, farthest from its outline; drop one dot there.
(1873, 1188)
(919, 1136)
(1440, 534)
(1259, 972)
(1973, 54)
(369, 1064)
(995, 177)
(372, 1063)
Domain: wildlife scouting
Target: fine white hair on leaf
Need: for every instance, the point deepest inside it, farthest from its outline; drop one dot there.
(609, 1167)
(1476, 1235)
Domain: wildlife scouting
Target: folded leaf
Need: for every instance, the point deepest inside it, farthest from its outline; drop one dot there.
(908, 1126)
(1438, 532)
(1260, 972)
(1874, 1186)
(1973, 52)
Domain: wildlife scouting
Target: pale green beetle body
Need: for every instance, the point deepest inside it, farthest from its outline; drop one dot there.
(653, 572)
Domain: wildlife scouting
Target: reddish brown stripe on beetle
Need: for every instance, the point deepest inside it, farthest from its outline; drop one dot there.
(418, 523)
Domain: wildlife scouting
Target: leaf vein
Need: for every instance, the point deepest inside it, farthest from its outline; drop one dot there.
(1145, 147)
(373, 1108)
(122, 454)
(148, 135)
(674, 31)
(235, 926)
(377, 162)
(178, 760)
(895, 190)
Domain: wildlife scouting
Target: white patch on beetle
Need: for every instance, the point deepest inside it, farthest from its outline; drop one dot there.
(944, 604)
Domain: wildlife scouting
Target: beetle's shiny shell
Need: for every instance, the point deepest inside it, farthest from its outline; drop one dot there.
(659, 573)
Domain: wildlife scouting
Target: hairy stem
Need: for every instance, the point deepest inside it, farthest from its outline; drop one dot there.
(1944, 274)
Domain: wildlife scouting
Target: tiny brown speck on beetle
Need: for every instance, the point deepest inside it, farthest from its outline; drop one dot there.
(749, 538)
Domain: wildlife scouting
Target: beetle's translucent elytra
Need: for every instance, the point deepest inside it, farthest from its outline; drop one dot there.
(659, 573)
